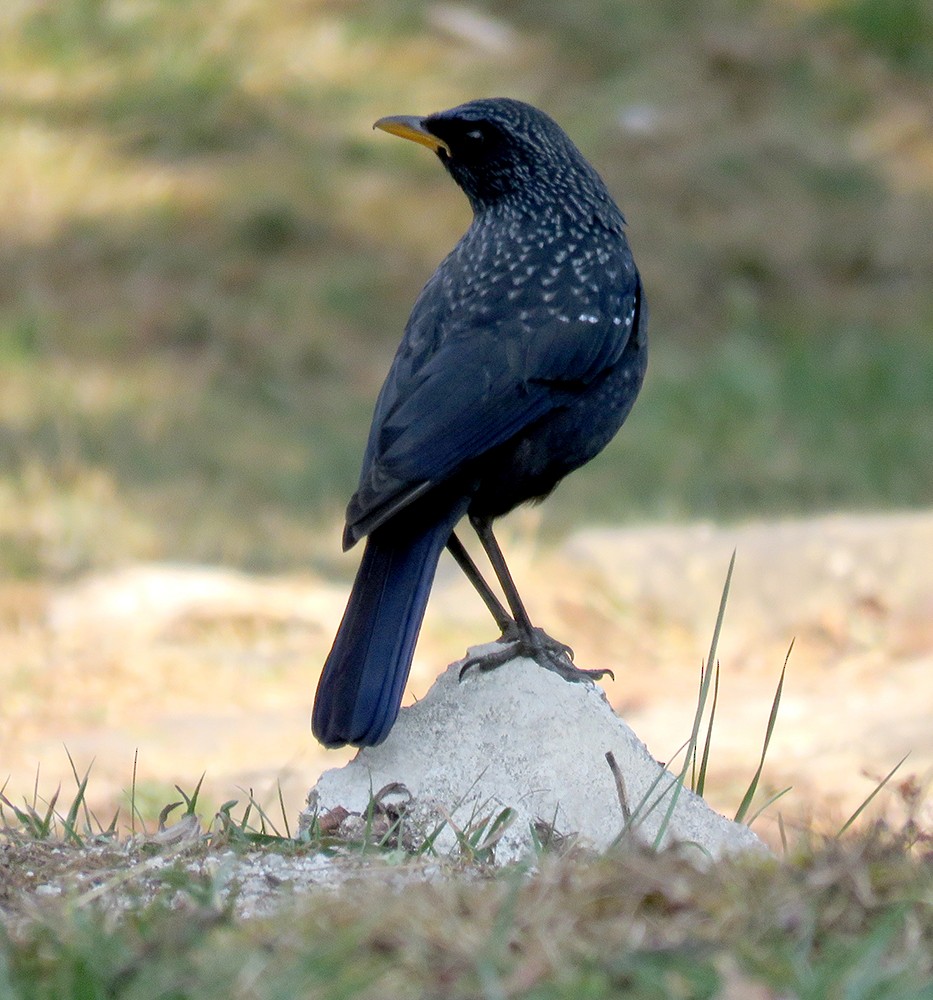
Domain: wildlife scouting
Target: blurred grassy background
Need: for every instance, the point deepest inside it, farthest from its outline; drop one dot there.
(207, 258)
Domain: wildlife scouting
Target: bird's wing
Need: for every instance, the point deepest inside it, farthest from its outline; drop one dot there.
(449, 398)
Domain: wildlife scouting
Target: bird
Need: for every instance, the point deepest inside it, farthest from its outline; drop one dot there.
(521, 359)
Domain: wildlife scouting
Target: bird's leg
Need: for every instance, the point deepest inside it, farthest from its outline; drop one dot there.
(523, 639)
(483, 528)
(509, 628)
(523, 631)
(471, 571)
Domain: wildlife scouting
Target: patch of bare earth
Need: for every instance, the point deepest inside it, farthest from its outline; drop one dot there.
(211, 670)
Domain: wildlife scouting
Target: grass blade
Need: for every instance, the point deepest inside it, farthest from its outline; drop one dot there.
(80, 797)
(701, 704)
(746, 802)
(288, 832)
(133, 811)
(191, 802)
(768, 802)
(858, 812)
(700, 783)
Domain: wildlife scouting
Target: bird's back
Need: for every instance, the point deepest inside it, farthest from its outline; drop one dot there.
(524, 350)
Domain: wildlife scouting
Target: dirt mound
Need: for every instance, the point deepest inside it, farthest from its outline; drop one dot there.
(213, 670)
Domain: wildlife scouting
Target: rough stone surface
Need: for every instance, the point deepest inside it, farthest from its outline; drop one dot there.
(524, 738)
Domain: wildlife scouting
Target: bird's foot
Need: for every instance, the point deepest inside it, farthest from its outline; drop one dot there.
(537, 641)
(538, 646)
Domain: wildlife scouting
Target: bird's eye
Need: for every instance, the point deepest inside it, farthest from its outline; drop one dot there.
(475, 134)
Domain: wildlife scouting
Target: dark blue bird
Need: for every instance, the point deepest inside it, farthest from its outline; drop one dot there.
(521, 359)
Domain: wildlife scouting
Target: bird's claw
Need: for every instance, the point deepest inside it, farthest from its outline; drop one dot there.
(489, 661)
(539, 640)
(538, 646)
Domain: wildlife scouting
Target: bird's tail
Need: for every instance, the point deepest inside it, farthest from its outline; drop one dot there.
(360, 690)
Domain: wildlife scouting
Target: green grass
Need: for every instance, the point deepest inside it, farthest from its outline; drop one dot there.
(843, 919)
(173, 463)
(209, 259)
(758, 427)
(898, 31)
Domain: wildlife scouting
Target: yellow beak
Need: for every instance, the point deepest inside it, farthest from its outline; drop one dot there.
(410, 127)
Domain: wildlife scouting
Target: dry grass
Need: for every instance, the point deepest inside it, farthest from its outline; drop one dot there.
(837, 919)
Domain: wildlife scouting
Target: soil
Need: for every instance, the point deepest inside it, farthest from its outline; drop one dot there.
(189, 670)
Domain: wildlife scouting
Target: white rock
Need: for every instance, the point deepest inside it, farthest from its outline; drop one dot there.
(522, 737)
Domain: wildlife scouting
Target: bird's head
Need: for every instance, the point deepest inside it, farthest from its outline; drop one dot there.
(499, 148)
